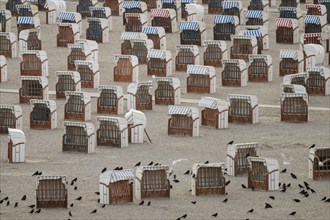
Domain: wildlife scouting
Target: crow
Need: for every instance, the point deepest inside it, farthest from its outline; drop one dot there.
(176, 181)
(306, 194)
(120, 168)
(327, 201)
(94, 211)
(149, 203)
(32, 210)
(74, 180)
(157, 164)
(35, 173)
(38, 211)
(312, 190)
(6, 198)
(70, 214)
(117, 168)
(184, 216)
(149, 164)
(71, 205)
(231, 142)
(225, 200)
(300, 186)
(141, 203)
(103, 206)
(279, 184)
(97, 193)
(40, 173)
(293, 176)
(23, 198)
(187, 172)
(104, 169)
(98, 201)
(247, 155)
(312, 146)
(174, 176)
(193, 176)
(306, 184)
(16, 204)
(267, 206)
(71, 183)
(227, 183)
(215, 215)
(193, 202)
(8, 203)
(206, 162)
(250, 211)
(79, 198)
(272, 197)
(288, 185)
(137, 164)
(75, 188)
(32, 206)
(243, 186)
(283, 171)
(1, 201)
(296, 200)
(292, 213)
(324, 198)
(302, 192)
(283, 190)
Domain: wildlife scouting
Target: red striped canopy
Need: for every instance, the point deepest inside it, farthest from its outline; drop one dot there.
(283, 22)
(159, 13)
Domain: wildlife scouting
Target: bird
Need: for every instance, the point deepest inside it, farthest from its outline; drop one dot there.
(243, 186)
(141, 203)
(70, 214)
(324, 198)
(174, 163)
(293, 176)
(38, 211)
(250, 211)
(149, 164)
(103, 206)
(300, 186)
(32, 210)
(157, 164)
(16, 204)
(137, 164)
(227, 183)
(231, 142)
(187, 172)
(247, 155)
(23, 198)
(97, 193)
(206, 162)
(292, 213)
(74, 180)
(79, 198)
(75, 188)
(32, 206)
(215, 215)
(193, 202)
(103, 170)
(327, 201)
(283, 190)
(149, 203)
(193, 176)
(98, 201)
(71, 205)
(288, 185)
(283, 171)
(184, 216)
(225, 200)
(302, 192)
(296, 200)
(8, 203)
(6, 198)
(313, 145)
(306, 184)
(1, 201)
(272, 197)
(72, 183)
(268, 206)
(40, 173)
(35, 173)
(176, 181)
(279, 184)
(120, 168)
(306, 195)
(312, 190)
(174, 176)
(94, 211)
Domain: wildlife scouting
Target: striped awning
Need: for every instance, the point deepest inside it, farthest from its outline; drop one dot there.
(129, 35)
(283, 22)
(254, 14)
(228, 5)
(208, 102)
(119, 175)
(149, 30)
(324, 1)
(312, 19)
(317, 6)
(163, 13)
(189, 25)
(25, 20)
(18, 7)
(197, 69)
(131, 4)
(253, 33)
(179, 110)
(97, 9)
(291, 9)
(224, 19)
(312, 35)
(168, 1)
(187, 1)
(69, 16)
(160, 54)
(289, 54)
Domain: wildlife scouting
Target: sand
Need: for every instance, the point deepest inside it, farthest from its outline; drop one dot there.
(44, 147)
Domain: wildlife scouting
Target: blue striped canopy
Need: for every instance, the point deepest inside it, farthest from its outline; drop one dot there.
(227, 5)
(159, 54)
(168, 1)
(187, 1)
(254, 14)
(131, 4)
(66, 16)
(149, 30)
(25, 20)
(253, 33)
(289, 54)
(224, 19)
(312, 19)
(189, 25)
(197, 69)
(293, 9)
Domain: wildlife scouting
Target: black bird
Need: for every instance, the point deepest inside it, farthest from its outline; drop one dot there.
(288, 185)
(1, 201)
(171, 187)
(327, 201)
(120, 168)
(75, 188)
(268, 206)
(312, 190)
(293, 176)
(8, 203)
(243, 186)
(149, 203)
(35, 173)
(283, 171)
(225, 200)
(184, 216)
(312, 146)
(70, 214)
(187, 172)
(272, 197)
(71, 205)
(283, 190)
(16, 204)
(117, 168)
(94, 211)
(279, 184)
(104, 169)
(32, 206)
(193, 202)
(97, 193)
(176, 181)
(250, 211)
(174, 176)
(149, 164)
(79, 198)
(6, 198)
(206, 162)
(324, 198)
(193, 176)
(32, 210)
(300, 186)
(141, 203)
(40, 173)
(296, 200)
(23, 198)
(74, 180)
(98, 201)
(247, 155)
(292, 213)
(137, 164)
(156, 164)
(38, 211)
(231, 142)
(306, 184)
(306, 195)
(103, 206)
(215, 215)
(227, 183)
(71, 183)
